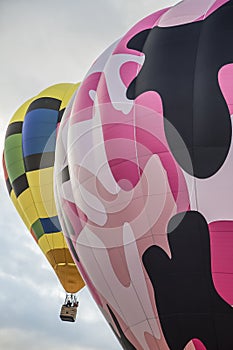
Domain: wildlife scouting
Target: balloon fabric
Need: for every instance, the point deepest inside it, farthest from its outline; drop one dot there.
(143, 173)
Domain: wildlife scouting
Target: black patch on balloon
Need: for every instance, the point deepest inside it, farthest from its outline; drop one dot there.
(72, 249)
(188, 304)
(20, 184)
(8, 185)
(182, 64)
(65, 174)
(14, 128)
(60, 115)
(39, 161)
(45, 103)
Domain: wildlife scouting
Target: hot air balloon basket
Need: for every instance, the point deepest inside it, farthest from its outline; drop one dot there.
(68, 313)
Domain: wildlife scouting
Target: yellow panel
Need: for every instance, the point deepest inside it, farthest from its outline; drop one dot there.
(47, 209)
(46, 176)
(58, 91)
(19, 209)
(68, 94)
(40, 176)
(62, 92)
(41, 185)
(47, 196)
(54, 91)
(36, 193)
(41, 210)
(40, 207)
(31, 214)
(58, 240)
(44, 244)
(52, 241)
(26, 201)
(20, 113)
(33, 177)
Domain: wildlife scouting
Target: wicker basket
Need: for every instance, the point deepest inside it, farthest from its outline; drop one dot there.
(68, 313)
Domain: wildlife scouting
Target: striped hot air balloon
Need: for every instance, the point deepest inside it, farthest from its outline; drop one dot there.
(28, 162)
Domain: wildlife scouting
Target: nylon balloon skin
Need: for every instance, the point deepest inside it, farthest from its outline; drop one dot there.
(28, 166)
(144, 180)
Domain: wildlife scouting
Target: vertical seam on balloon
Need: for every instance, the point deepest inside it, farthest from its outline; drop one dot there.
(138, 166)
(134, 128)
(139, 67)
(193, 122)
(195, 181)
(193, 117)
(138, 70)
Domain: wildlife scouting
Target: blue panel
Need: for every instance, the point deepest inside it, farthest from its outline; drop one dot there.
(39, 145)
(39, 131)
(51, 225)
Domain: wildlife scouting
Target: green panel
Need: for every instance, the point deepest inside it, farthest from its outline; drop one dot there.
(15, 171)
(38, 229)
(13, 141)
(14, 157)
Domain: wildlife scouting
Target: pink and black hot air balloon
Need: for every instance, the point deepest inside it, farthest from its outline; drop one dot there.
(144, 180)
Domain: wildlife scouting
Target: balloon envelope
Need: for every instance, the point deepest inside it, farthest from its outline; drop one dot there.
(145, 182)
(28, 165)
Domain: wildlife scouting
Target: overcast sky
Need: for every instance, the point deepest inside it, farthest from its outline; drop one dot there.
(44, 42)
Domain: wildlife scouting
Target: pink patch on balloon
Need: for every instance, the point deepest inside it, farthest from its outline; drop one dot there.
(221, 241)
(225, 78)
(198, 344)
